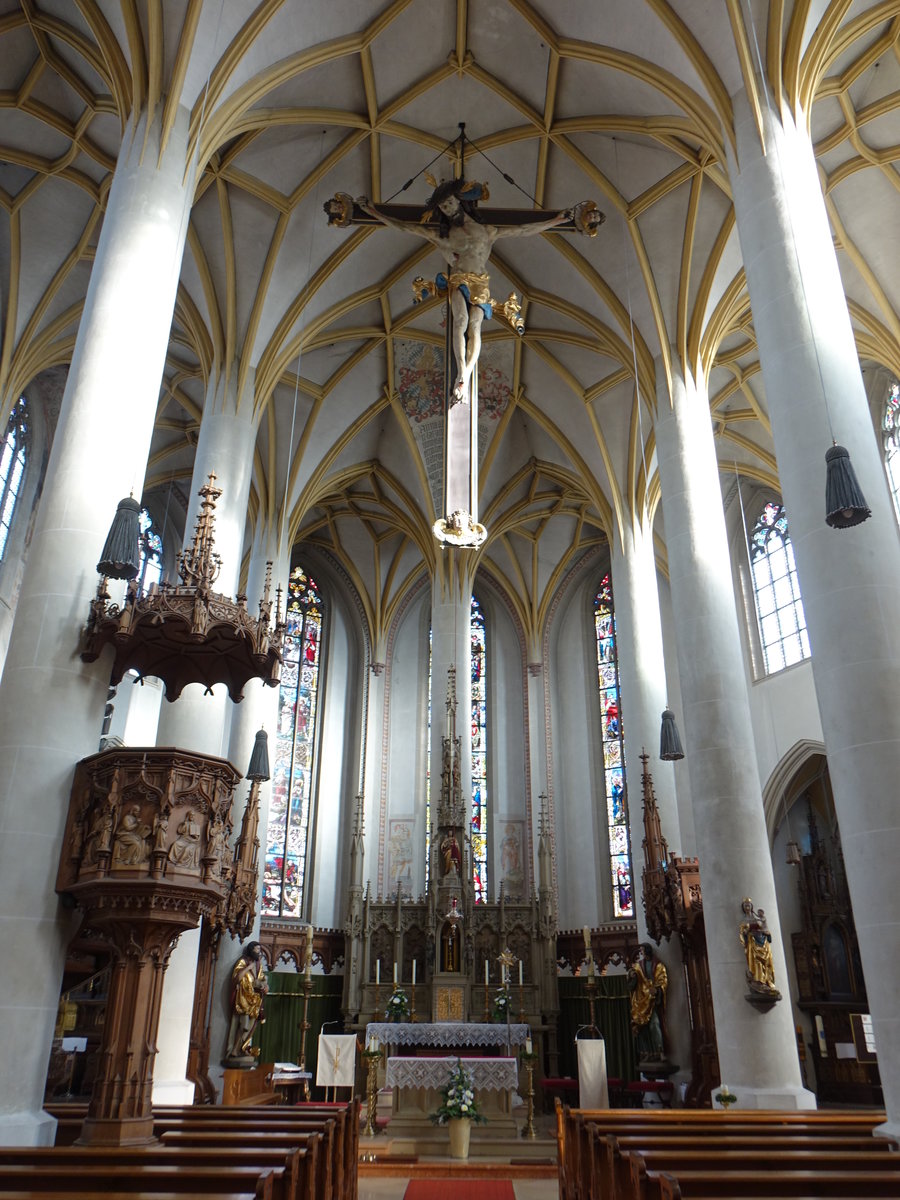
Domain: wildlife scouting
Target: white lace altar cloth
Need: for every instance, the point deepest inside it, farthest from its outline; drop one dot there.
(487, 1074)
(445, 1033)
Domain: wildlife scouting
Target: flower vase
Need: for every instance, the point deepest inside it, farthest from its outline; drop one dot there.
(460, 1130)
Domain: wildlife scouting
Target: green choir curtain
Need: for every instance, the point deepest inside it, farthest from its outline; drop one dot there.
(612, 1015)
(279, 1038)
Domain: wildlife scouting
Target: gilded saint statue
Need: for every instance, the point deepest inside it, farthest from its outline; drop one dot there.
(649, 981)
(451, 858)
(248, 991)
(757, 942)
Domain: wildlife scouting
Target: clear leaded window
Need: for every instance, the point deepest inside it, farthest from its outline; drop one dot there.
(12, 468)
(782, 625)
(151, 553)
(287, 838)
(479, 751)
(613, 751)
(890, 437)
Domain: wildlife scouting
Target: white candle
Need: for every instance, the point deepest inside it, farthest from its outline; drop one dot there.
(587, 937)
(377, 971)
(528, 1045)
(520, 972)
(487, 972)
(414, 973)
(395, 973)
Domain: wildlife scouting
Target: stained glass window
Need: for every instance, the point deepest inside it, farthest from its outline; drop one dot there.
(291, 796)
(479, 751)
(12, 468)
(782, 625)
(151, 553)
(890, 436)
(613, 752)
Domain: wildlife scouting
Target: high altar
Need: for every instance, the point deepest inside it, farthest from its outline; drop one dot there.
(446, 950)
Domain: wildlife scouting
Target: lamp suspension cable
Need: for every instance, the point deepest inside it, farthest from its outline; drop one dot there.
(290, 445)
(845, 504)
(637, 383)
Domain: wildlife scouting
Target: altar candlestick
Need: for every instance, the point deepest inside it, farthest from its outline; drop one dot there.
(487, 973)
(528, 1044)
(587, 937)
(377, 971)
(520, 973)
(414, 973)
(395, 974)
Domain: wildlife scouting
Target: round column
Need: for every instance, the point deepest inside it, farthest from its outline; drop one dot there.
(757, 1049)
(849, 578)
(642, 677)
(51, 704)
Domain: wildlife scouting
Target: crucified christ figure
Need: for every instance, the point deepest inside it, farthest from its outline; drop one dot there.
(466, 243)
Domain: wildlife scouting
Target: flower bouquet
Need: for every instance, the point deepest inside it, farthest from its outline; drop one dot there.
(397, 1006)
(501, 1006)
(458, 1099)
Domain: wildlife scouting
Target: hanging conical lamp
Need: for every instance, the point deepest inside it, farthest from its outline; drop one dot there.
(845, 504)
(670, 747)
(258, 771)
(121, 557)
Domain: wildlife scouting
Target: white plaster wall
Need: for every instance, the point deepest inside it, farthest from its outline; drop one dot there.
(582, 856)
(407, 736)
(338, 759)
(506, 731)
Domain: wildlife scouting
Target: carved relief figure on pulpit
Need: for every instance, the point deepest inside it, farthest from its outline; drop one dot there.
(130, 848)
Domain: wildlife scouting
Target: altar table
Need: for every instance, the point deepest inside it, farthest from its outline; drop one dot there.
(486, 1074)
(459, 1034)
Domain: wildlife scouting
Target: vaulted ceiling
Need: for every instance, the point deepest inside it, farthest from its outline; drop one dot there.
(627, 102)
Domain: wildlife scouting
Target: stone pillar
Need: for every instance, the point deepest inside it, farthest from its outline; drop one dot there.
(849, 578)
(197, 721)
(51, 704)
(757, 1049)
(451, 602)
(642, 679)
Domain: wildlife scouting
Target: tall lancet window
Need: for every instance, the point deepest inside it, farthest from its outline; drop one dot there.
(12, 468)
(479, 751)
(782, 625)
(151, 553)
(613, 751)
(291, 799)
(890, 438)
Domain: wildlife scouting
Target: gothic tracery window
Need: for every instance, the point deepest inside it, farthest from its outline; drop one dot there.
(151, 553)
(890, 440)
(287, 840)
(782, 624)
(12, 468)
(613, 752)
(479, 751)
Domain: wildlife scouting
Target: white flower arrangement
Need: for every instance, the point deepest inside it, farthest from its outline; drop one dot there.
(501, 1005)
(397, 1006)
(459, 1099)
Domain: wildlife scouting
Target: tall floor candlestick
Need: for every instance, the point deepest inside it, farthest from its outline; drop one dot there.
(371, 1057)
(304, 1029)
(528, 1131)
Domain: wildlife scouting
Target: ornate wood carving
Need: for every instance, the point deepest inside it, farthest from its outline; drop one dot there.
(145, 856)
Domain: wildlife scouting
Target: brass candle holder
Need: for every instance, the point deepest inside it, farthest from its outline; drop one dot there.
(371, 1057)
(521, 1004)
(528, 1060)
(412, 1003)
(487, 1010)
(304, 1029)
(591, 988)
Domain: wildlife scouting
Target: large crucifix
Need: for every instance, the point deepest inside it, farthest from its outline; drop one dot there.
(465, 235)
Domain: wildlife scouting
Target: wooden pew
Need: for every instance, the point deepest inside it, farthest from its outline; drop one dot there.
(795, 1185)
(615, 1173)
(582, 1153)
(726, 1162)
(298, 1164)
(178, 1181)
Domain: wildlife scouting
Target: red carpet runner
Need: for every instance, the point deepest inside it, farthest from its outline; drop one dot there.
(459, 1189)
